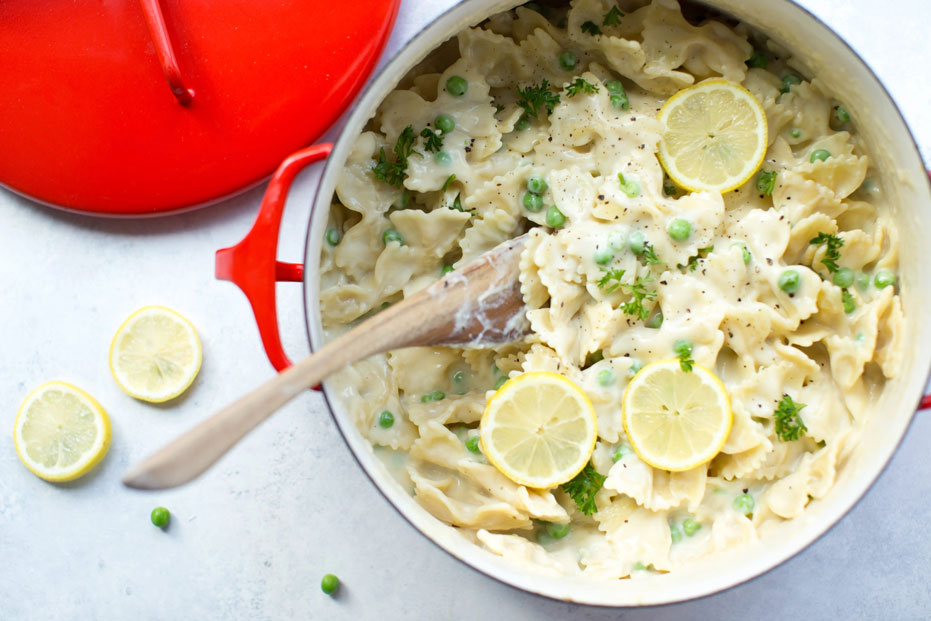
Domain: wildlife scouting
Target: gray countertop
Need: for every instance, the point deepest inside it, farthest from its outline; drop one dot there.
(251, 539)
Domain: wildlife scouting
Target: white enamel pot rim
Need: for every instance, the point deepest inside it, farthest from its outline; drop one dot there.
(895, 155)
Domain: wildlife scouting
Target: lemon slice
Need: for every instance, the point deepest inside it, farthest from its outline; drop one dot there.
(539, 429)
(155, 354)
(676, 420)
(714, 136)
(60, 432)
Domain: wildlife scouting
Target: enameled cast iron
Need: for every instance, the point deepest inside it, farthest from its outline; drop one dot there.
(252, 265)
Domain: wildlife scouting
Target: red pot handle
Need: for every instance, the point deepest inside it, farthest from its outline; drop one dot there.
(251, 264)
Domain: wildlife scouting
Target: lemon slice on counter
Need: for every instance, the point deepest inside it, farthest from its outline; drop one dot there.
(539, 429)
(714, 136)
(155, 354)
(676, 420)
(60, 432)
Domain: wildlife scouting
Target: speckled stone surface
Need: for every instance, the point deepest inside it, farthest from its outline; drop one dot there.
(252, 538)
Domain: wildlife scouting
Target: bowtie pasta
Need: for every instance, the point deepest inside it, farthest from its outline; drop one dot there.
(784, 287)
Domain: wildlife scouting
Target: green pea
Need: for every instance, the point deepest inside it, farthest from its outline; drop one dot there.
(788, 81)
(795, 133)
(635, 368)
(604, 255)
(522, 123)
(819, 154)
(636, 242)
(789, 281)
(446, 269)
(757, 59)
(391, 235)
(501, 381)
(329, 584)
(459, 377)
(849, 303)
(568, 60)
(444, 123)
(842, 115)
(619, 102)
(457, 86)
(863, 281)
(161, 516)
(638, 566)
(554, 217)
(620, 452)
(606, 377)
(744, 503)
(655, 321)
(557, 531)
(536, 184)
(385, 420)
(691, 526)
(682, 347)
(333, 236)
(679, 229)
(614, 87)
(843, 277)
(532, 202)
(628, 186)
(472, 444)
(442, 157)
(744, 251)
(883, 279)
(675, 533)
(436, 395)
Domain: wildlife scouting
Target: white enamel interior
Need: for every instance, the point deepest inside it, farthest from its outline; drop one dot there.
(894, 153)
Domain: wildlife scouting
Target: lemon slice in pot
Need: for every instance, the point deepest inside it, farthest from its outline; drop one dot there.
(61, 432)
(676, 420)
(714, 136)
(155, 354)
(539, 429)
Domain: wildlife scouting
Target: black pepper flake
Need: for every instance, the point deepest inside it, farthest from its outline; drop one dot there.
(769, 261)
(601, 197)
(663, 282)
(550, 139)
(468, 149)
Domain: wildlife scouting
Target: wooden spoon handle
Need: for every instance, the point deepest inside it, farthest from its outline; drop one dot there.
(197, 449)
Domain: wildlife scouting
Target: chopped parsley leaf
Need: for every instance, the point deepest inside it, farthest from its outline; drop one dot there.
(580, 86)
(591, 28)
(433, 141)
(612, 17)
(393, 172)
(850, 304)
(639, 293)
(833, 245)
(683, 350)
(648, 256)
(610, 275)
(536, 99)
(583, 487)
(693, 260)
(789, 424)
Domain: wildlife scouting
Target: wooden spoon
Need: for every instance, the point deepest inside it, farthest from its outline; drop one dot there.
(479, 304)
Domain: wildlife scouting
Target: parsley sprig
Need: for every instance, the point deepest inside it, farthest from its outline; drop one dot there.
(683, 350)
(648, 256)
(393, 172)
(789, 424)
(612, 17)
(433, 140)
(639, 293)
(580, 86)
(833, 245)
(583, 487)
(605, 281)
(536, 99)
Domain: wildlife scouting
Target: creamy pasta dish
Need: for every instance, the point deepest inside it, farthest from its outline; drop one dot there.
(546, 121)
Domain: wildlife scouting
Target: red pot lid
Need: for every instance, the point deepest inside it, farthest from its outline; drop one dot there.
(88, 120)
